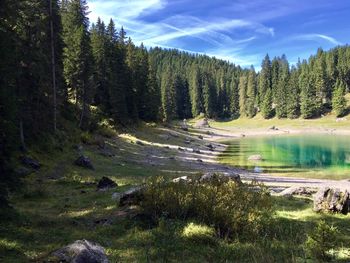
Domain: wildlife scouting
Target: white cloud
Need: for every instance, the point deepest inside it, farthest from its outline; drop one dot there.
(316, 37)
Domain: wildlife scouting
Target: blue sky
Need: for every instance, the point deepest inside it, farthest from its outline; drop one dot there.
(241, 31)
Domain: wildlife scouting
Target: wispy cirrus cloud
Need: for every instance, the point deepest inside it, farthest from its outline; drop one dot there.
(239, 31)
(316, 37)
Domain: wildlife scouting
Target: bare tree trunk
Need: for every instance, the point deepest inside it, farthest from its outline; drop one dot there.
(21, 134)
(83, 107)
(53, 64)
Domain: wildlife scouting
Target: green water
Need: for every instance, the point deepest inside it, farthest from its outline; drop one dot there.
(316, 156)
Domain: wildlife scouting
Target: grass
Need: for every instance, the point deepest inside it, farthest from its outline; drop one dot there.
(59, 205)
(259, 123)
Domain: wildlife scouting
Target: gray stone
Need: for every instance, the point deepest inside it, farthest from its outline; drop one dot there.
(140, 143)
(332, 200)
(183, 179)
(81, 251)
(196, 151)
(132, 196)
(294, 190)
(84, 161)
(105, 183)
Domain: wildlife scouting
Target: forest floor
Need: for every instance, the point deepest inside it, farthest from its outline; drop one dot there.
(60, 203)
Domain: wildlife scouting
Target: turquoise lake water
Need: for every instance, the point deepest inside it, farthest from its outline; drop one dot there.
(317, 156)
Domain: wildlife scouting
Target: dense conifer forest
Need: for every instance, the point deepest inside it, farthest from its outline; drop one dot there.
(56, 66)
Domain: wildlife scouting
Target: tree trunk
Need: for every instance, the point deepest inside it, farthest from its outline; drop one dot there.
(53, 64)
(83, 107)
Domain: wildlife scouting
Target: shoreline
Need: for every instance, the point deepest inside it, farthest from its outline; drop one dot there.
(219, 136)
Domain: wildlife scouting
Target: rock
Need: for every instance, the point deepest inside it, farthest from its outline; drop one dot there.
(181, 149)
(332, 200)
(256, 157)
(106, 153)
(210, 146)
(173, 135)
(139, 143)
(105, 183)
(183, 179)
(132, 196)
(81, 251)
(296, 191)
(184, 125)
(30, 162)
(196, 151)
(116, 196)
(85, 162)
(202, 123)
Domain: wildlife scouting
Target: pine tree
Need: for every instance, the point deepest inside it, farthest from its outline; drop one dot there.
(282, 88)
(308, 104)
(242, 86)
(293, 94)
(265, 79)
(168, 96)
(266, 107)
(196, 91)
(209, 97)
(77, 56)
(338, 101)
(321, 85)
(251, 93)
(117, 75)
(234, 98)
(99, 51)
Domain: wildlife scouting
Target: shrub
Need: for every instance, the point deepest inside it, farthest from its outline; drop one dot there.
(234, 210)
(321, 240)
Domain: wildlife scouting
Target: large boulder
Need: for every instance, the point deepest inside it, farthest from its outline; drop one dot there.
(81, 251)
(296, 190)
(105, 183)
(132, 196)
(84, 161)
(202, 123)
(332, 200)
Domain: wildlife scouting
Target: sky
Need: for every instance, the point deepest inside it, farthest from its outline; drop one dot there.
(240, 31)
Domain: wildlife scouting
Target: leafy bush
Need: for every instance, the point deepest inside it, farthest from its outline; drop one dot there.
(321, 240)
(233, 209)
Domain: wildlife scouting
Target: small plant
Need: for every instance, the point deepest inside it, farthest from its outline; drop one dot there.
(321, 240)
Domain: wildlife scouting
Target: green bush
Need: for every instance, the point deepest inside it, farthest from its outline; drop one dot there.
(320, 241)
(233, 209)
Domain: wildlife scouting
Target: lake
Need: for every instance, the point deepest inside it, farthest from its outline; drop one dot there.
(316, 156)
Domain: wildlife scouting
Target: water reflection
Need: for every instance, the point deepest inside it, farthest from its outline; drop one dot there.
(321, 152)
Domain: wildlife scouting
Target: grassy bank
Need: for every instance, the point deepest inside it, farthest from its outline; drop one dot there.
(60, 204)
